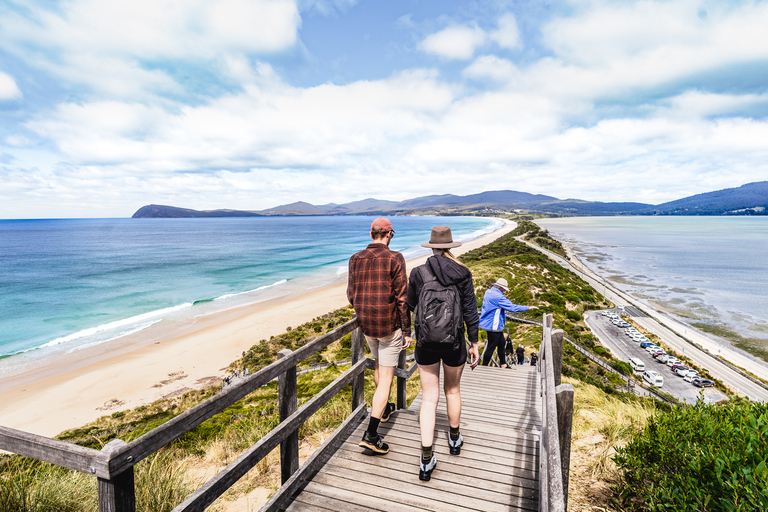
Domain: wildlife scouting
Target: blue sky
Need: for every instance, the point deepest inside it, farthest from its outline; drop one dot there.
(108, 105)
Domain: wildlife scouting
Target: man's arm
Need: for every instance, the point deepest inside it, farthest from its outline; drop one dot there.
(508, 305)
(400, 287)
(350, 281)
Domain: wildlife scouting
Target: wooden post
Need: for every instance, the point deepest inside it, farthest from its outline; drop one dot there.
(401, 382)
(117, 494)
(358, 352)
(564, 396)
(557, 354)
(289, 449)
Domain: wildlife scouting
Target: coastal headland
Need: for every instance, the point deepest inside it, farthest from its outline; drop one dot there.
(111, 377)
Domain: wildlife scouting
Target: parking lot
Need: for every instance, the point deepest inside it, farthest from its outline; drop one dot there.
(623, 347)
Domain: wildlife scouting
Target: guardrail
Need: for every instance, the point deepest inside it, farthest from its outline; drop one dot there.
(557, 398)
(113, 465)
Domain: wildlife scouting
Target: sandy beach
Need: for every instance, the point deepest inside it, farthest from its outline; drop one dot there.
(102, 380)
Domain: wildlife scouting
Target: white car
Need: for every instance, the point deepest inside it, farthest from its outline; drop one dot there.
(639, 338)
(692, 374)
(672, 360)
(654, 350)
(663, 358)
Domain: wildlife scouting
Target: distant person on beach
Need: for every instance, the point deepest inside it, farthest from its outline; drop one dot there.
(377, 290)
(443, 270)
(493, 318)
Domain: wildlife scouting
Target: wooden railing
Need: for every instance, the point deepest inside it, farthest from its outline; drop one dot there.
(557, 408)
(113, 465)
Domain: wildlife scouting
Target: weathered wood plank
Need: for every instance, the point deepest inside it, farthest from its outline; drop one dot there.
(399, 476)
(70, 456)
(216, 486)
(316, 460)
(321, 503)
(287, 405)
(486, 478)
(361, 498)
(183, 423)
(119, 493)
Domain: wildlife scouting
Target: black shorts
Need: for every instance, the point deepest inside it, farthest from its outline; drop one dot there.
(449, 357)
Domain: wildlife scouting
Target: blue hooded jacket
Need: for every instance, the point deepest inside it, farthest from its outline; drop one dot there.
(492, 317)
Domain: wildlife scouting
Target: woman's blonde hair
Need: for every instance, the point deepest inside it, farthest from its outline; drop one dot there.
(448, 254)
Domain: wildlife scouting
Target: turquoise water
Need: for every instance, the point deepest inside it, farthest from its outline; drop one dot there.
(69, 284)
(703, 269)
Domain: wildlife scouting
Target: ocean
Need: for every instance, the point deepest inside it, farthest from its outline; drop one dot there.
(707, 271)
(75, 283)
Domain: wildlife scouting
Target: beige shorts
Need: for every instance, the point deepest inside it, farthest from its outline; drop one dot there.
(386, 350)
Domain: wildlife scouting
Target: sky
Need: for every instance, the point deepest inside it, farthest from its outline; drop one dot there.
(109, 105)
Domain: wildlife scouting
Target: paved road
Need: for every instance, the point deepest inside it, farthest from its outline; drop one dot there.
(623, 347)
(732, 378)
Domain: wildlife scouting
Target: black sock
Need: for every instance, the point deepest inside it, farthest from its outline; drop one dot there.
(426, 453)
(454, 433)
(373, 426)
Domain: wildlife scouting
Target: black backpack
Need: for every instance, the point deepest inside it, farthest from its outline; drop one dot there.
(438, 314)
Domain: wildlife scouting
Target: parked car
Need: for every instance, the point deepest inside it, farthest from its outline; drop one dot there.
(652, 349)
(653, 378)
(690, 375)
(675, 366)
(624, 324)
(662, 358)
(702, 383)
(656, 352)
(672, 360)
(681, 370)
(640, 338)
(647, 344)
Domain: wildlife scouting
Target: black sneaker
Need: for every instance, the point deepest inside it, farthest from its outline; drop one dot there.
(426, 468)
(374, 443)
(388, 410)
(455, 445)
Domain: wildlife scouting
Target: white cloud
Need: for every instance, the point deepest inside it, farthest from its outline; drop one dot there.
(106, 44)
(493, 68)
(8, 88)
(457, 42)
(507, 34)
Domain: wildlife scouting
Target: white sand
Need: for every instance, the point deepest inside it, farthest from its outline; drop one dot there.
(66, 395)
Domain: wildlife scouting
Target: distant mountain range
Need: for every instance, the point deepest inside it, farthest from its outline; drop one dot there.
(749, 199)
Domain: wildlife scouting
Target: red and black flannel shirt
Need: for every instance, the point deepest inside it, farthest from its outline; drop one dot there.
(377, 290)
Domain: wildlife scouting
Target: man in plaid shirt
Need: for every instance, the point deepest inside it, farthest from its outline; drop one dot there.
(377, 290)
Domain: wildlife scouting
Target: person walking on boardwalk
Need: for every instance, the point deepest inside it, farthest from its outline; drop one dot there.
(377, 291)
(442, 276)
(520, 352)
(493, 318)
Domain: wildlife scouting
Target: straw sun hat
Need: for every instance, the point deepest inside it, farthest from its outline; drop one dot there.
(441, 238)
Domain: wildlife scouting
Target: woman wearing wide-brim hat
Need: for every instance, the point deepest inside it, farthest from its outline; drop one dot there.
(443, 267)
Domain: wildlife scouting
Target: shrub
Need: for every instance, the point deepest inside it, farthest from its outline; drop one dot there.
(573, 315)
(705, 457)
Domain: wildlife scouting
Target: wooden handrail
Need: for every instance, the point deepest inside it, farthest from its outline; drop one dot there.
(174, 428)
(216, 486)
(67, 455)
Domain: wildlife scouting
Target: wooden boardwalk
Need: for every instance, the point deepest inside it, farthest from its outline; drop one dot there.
(497, 470)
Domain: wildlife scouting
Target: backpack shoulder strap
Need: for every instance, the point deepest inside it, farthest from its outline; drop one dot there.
(426, 273)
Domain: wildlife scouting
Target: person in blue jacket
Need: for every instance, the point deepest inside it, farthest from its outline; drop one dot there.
(493, 317)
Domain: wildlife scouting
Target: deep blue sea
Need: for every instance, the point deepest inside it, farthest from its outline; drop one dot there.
(702, 269)
(69, 284)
